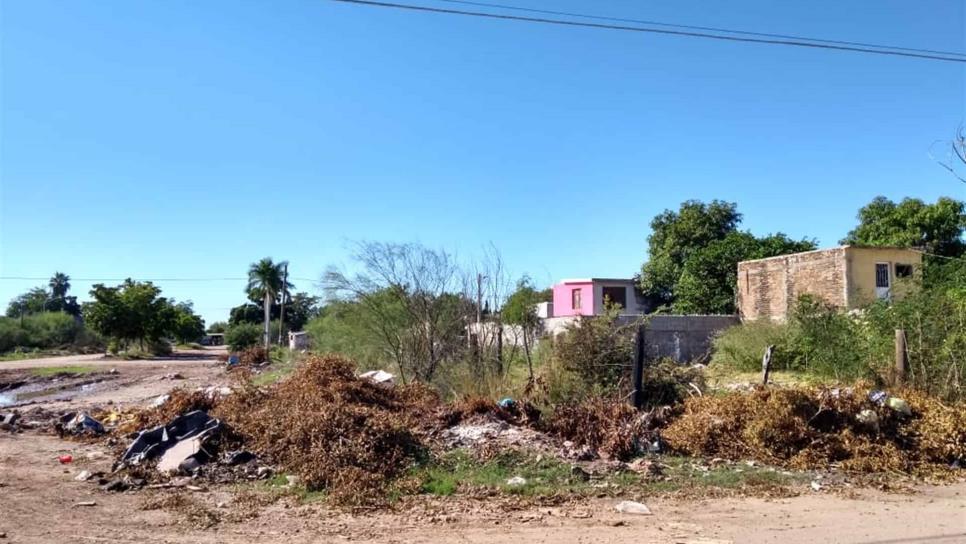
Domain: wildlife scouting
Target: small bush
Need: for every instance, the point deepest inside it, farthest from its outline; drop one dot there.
(49, 330)
(741, 347)
(243, 335)
(597, 349)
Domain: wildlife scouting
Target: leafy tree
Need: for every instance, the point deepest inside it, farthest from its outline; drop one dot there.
(187, 326)
(266, 281)
(520, 310)
(694, 255)
(243, 336)
(39, 300)
(675, 236)
(709, 277)
(31, 302)
(132, 311)
(299, 308)
(936, 228)
(218, 327)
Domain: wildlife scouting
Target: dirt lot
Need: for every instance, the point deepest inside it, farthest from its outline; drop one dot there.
(40, 500)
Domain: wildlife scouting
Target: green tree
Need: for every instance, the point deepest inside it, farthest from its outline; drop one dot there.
(694, 255)
(187, 326)
(709, 277)
(936, 228)
(242, 336)
(132, 311)
(520, 309)
(59, 285)
(675, 236)
(31, 302)
(265, 281)
(218, 327)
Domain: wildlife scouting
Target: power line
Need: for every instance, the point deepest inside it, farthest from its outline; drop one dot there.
(38, 278)
(788, 42)
(708, 28)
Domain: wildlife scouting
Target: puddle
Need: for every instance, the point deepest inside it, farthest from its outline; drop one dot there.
(46, 391)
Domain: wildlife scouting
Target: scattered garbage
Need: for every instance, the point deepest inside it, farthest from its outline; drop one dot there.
(633, 507)
(158, 440)
(506, 402)
(173, 376)
(83, 476)
(379, 376)
(516, 481)
(233, 359)
(82, 423)
(64, 459)
(816, 486)
(240, 457)
(899, 405)
(86, 503)
(878, 397)
(9, 420)
(869, 418)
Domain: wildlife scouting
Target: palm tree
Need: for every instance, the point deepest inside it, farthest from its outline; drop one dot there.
(59, 285)
(265, 278)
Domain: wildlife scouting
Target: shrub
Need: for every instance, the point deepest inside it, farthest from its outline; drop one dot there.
(741, 347)
(826, 341)
(597, 349)
(243, 336)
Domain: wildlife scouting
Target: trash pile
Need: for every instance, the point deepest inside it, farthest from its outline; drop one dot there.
(324, 427)
(333, 430)
(607, 428)
(810, 428)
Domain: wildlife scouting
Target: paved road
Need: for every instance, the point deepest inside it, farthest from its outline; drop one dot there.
(179, 358)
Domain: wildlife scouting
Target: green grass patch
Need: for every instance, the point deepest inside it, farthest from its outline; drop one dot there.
(459, 469)
(686, 473)
(281, 367)
(21, 355)
(54, 370)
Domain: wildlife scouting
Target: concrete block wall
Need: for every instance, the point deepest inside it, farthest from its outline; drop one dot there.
(684, 338)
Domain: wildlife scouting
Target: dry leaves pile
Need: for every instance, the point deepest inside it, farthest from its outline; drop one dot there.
(818, 428)
(334, 431)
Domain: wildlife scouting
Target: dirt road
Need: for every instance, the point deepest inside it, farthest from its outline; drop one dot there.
(180, 358)
(40, 501)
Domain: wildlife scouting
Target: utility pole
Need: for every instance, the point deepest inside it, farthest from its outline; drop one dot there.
(281, 313)
(479, 300)
(637, 395)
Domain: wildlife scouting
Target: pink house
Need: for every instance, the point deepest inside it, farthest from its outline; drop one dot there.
(586, 297)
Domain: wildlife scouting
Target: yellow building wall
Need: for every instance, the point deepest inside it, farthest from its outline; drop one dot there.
(860, 266)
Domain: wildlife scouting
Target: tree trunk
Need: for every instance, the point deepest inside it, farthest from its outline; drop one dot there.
(267, 306)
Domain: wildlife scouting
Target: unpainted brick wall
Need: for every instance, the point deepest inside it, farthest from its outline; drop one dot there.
(767, 288)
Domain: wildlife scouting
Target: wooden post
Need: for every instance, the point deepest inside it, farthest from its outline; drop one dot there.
(637, 397)
(902, 356)
(766, 364)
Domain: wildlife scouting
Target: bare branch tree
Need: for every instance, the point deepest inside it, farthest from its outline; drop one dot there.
(414, 299)
(955, 158)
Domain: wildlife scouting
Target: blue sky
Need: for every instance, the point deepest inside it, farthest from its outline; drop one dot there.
(188, 139)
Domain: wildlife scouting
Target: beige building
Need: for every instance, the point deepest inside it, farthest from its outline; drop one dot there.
(847, 277)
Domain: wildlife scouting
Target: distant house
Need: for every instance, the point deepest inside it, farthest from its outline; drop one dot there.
(847, 277)
(298, 340)
(213, 339)
(587, 296)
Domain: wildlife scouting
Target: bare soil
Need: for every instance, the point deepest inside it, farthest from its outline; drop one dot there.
(40, 501)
